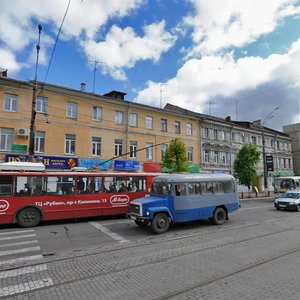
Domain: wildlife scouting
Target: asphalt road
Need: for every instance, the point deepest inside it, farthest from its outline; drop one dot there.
(255, 255)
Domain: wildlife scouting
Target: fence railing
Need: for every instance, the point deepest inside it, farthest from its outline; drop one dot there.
(245, 195)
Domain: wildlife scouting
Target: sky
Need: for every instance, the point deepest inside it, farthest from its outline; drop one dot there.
(223, 58)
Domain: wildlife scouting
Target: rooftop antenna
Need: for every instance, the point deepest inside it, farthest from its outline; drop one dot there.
(298, 111)
(161, 94)
(210, 108)
(96, 62)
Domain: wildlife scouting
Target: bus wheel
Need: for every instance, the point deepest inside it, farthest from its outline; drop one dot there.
(28, 217)
(219, 216)
(160, 223)
(141, 224)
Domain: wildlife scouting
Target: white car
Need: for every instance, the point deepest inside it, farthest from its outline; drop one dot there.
(290, 201)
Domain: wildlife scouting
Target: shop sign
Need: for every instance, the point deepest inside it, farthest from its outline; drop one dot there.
(99, 164)
(126, 165)
(152, 167)
(50, 162)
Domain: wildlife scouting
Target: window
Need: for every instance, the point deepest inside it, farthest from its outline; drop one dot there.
(164, 148)
(149, 122)
(97, 113)
(6, 138)
(118, 147)
(39, 145)
(205, 132)
(215, 134)
(164, 125)
(60, 185)
(133, 148)
(206, 156)
(216, 157)
(189, 151)
(189, 129)
(41, 105)
(72, 110)
(30, 186)
(273, 143)
(149, 151)
(70, 144)
(253, 140)
(10, 102)
(133, 120)
(177, 127)
(96, 146)
(119, 117)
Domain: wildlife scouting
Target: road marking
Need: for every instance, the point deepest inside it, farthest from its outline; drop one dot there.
(256, 207)
(30, 249)
(21, 259)
(22, 271)
(18, 244)
(113, 235)
(16, 232)
(17, 237)
(25, 287)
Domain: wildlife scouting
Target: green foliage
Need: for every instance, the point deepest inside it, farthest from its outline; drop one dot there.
(245, 165)
(175, 157)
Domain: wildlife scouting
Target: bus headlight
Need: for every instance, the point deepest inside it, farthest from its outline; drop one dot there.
(147, 213)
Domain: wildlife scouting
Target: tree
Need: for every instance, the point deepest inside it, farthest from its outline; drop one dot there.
(245, 165)
(175, 157)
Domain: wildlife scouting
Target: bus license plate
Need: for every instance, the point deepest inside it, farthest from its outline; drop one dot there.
(133, 217)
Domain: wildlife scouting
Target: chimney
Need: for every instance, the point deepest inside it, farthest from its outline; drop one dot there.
(228, 119)
(3, 72)
(82, 87)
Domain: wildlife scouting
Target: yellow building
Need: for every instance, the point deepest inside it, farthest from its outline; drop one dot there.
(78, 126)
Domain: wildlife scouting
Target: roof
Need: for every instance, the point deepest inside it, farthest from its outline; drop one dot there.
(193, 177)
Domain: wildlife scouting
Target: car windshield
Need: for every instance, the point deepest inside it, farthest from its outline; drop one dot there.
(292, 195)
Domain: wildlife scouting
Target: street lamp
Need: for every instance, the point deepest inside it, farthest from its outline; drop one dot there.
(268, 117)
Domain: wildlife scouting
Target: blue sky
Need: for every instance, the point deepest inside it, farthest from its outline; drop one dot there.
(221, 57)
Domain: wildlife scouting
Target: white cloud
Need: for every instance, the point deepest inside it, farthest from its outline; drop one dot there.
(213, 77)
(218, 25)
(8, 61)
(19, 19)
(122, 48)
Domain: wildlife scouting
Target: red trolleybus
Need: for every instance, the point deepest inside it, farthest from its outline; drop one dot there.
(28, 196)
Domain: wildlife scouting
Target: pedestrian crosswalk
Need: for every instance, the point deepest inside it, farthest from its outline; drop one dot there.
(21, 263)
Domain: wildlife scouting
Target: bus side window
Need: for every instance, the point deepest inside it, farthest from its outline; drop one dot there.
(180, 189)
(218, 187)
(191, 187)
(207, 188)
(198, 189)
(6, 183)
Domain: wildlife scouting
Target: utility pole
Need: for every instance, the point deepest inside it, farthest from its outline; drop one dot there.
(33, 107)
(265, 170)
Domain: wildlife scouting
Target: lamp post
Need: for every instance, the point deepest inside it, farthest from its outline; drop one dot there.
(268, 117)
(33, 106)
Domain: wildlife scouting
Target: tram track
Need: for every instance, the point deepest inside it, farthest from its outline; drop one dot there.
(164, 259)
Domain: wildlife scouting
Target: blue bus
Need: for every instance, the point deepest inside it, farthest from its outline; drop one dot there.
(185, 197)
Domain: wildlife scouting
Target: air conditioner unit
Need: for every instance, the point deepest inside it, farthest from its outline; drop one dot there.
(23, 132)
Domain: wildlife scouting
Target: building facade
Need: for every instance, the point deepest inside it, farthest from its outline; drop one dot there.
(293, 131)
(77, 128)
(221, 139)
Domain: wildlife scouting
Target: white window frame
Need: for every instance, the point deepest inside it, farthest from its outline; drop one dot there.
(97, 113)
(118, 147)
(133, 120)
(177, 127)
(149, 151)
(119, 116)
(133, 149)
(149, 122)
(6, 138)
(96, 146)
(39, 145)
(41, 105)
(12, 101)
(164, 125)
(72, 110)
(70, 144)
(189, 151)
(206, 156)
(164, 148)
(189, 129)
